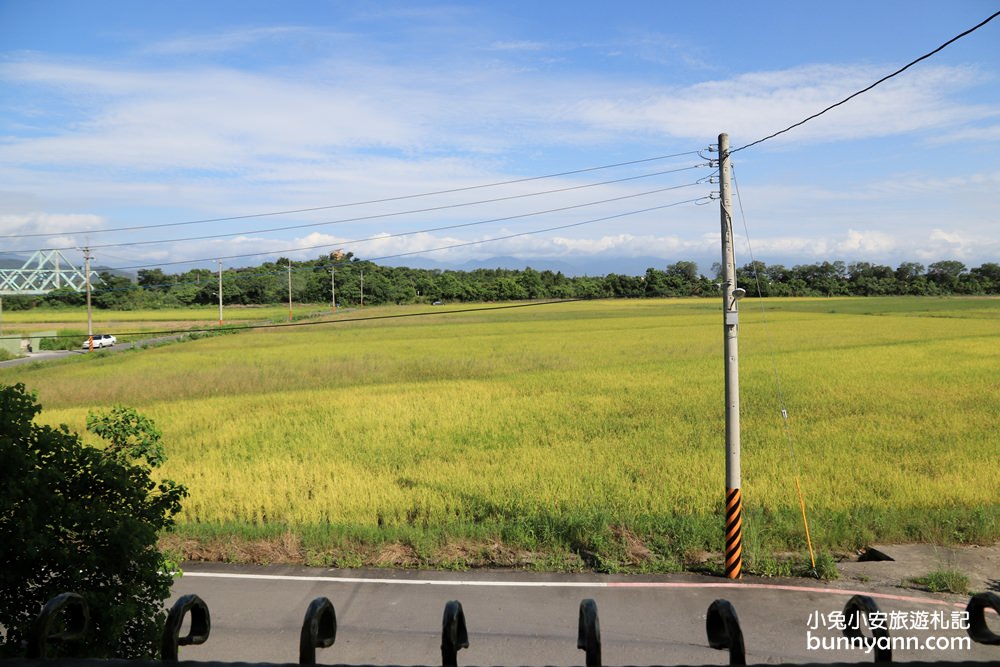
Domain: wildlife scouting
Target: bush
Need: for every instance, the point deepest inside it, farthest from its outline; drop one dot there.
(67, 339)
(81, 519)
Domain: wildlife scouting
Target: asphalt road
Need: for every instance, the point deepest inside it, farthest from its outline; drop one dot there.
(52, 355)
(395, 617)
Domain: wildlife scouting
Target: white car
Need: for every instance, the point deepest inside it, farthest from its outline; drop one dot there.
(100, 340)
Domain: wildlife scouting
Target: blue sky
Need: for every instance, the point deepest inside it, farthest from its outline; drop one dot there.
(126, 114)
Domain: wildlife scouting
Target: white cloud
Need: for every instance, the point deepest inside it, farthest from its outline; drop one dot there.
(221, 139)
(204, 120)
(221, 119)
(864, 244)
(520, 45)
(37, 222)
(754, 105)
(977, 135)
(222, 42)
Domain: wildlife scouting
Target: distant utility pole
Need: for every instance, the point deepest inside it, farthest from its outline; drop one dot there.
(289, 290)
(220, 291)
(731, 294)
(333, 288)
(90, 319)
(362, 288)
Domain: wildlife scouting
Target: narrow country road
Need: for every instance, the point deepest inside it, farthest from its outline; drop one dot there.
(519, 618)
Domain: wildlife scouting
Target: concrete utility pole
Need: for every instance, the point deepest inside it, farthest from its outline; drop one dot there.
(362, 288)
(289, 290)
(333, 288)
(90, 319)
(220, 291)
(731, 294)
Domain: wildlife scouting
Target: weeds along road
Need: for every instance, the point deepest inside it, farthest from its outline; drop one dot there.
(522, 618)
(52, 355)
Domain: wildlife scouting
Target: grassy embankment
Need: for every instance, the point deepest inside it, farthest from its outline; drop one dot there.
(70, 324)
(569, 435)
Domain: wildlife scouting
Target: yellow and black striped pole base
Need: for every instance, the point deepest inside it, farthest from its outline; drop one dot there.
(734, 534)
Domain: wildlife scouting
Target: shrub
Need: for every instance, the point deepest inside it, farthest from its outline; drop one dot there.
(82, 519)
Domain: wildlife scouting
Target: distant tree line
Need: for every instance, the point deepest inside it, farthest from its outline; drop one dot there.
(311, 283)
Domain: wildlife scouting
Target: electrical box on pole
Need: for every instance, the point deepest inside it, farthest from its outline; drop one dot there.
(731, 295)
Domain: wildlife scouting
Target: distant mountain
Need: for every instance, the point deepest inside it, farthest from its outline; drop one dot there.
(515, 263)
(10, 260)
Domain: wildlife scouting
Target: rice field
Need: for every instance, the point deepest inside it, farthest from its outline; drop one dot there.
(123, 322)
(583, 434)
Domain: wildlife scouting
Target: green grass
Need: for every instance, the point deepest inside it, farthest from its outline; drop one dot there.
(570, 435)
(944, 581)
(207, 314)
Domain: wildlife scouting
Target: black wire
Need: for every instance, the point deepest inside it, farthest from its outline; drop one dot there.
(313, 267)
(478, 222)
(285, 325)
(865, 90)
(417, 252)
(359, 203)
(387, 215)
(537, 231)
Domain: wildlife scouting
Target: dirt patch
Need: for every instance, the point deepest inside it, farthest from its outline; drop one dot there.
(469, 553)
(285, 550)
(396, 555)
(636, 551)
(288, 550)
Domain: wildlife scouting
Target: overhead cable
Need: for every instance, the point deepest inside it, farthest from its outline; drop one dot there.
(287, 325)
(344, 244)
(357, 203)
(865, 90)
(418, 252)
(380, 216)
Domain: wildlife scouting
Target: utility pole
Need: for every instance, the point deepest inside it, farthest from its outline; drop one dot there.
(220, 291)
(731, 294)
(289, 290)
(362, 288)
(333, 288)
(90, 319)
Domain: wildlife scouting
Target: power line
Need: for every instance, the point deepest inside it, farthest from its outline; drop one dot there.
(472, 224)
(537, 231)
(344, 244)
(358, 203)
(865, 90)
(387, 215)
(313, 267)
(287, 325)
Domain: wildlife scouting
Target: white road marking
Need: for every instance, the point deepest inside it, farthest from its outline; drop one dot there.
(567, 584)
